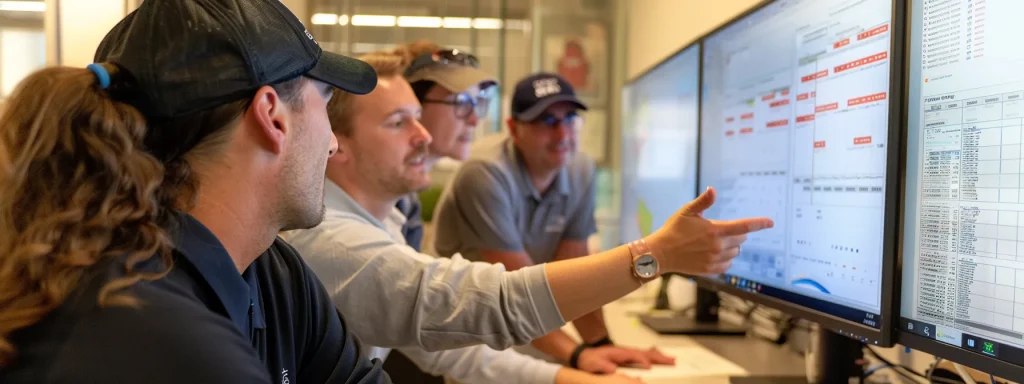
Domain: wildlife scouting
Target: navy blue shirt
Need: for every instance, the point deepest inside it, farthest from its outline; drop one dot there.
(201, 323)
(412, 230)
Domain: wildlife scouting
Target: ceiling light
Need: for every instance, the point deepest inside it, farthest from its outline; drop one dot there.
(342, 19)
(419, 22)
(486, 23)
(373, 20)
(458, 22)
(325, 19)
(23, 6)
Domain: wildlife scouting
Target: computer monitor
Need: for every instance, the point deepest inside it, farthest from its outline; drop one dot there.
(659, 144)
(659, 173)
(797, 102)
(963, 245)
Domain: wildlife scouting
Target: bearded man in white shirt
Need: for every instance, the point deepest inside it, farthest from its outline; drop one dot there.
(399, 298)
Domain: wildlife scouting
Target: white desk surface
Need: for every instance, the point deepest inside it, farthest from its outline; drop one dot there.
(757, 357)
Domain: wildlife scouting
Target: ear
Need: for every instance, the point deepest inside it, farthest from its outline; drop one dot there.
(270, 119)
(344, 153)
(511, 127)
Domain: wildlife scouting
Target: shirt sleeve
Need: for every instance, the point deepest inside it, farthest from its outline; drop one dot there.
(482, 365)
(484, 204)
(407, 299)
(582, 223)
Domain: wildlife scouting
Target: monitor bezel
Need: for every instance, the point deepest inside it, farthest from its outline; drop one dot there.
(889, 311)
(911, 340)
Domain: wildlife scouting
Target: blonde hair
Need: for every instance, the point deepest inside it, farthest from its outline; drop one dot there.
(341, 107)
(77, 191)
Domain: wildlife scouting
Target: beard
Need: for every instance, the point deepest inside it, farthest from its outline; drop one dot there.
(395, 180)
(302, 196)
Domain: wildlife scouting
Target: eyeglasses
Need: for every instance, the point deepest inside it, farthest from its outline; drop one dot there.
(553, 121)
(442, 57)
(465, 104)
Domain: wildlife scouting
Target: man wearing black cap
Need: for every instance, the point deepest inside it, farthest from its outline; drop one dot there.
(529, 199)
(235, 93)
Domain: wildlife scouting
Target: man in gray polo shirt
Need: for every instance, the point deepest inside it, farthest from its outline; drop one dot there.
(529, 199)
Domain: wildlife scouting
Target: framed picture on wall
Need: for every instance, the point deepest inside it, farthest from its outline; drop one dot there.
(576, 47)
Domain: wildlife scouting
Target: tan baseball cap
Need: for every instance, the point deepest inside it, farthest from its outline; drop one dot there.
(455, 78)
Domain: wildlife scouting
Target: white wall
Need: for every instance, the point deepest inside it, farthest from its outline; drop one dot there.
(83, 24)
(658, 28)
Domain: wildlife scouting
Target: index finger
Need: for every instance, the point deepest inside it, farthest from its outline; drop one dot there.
(743, 226)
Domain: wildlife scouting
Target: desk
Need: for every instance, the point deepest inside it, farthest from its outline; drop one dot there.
(757, 357)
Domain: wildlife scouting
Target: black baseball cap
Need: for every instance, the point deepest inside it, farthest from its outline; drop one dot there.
(187, 56)
(536, 93)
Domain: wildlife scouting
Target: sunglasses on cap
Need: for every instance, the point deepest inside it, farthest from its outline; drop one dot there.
(442, 57)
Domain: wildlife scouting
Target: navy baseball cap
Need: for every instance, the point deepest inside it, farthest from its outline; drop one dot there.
(186, 56)
(536, 93)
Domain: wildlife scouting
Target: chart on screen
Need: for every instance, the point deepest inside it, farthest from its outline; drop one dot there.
(800, 116)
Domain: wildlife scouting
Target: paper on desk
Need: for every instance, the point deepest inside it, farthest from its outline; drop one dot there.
(692, 361)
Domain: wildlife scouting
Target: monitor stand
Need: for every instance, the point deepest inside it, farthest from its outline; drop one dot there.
(703, 321)
(832, 358)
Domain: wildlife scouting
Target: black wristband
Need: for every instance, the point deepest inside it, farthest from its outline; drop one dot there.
(603, 342)
(574, 359)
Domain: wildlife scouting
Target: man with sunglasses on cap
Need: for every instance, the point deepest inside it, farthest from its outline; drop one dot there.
(529, 199)
(455, 94)
(234, 93)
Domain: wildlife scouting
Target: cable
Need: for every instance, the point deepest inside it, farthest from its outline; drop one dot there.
(931, 371)
(887, 361)
(901, 370)
(964, 375)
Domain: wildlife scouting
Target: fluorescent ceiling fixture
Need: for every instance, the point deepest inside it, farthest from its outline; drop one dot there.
(517, 24)
(342, 19)
(325, 19)
(23, 6)
(419, 21)
(458, 22)
(373, 20)
(486, 23)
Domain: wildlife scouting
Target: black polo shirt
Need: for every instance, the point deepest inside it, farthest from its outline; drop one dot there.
(202, 323)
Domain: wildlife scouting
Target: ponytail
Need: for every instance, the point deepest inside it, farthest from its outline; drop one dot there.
(76, 190)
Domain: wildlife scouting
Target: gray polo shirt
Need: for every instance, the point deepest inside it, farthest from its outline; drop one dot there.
(490, 203)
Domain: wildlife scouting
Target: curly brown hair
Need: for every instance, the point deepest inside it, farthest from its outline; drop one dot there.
(78, 190)
(85, 180)
(410, 52)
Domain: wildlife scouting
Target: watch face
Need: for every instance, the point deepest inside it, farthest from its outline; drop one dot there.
(646, 266)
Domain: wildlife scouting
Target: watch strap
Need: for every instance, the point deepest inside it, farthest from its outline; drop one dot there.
(636, 249)
(575, 358)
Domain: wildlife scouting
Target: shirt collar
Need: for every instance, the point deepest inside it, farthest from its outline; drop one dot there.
(337, 199)
(236, 292)
(561, 182)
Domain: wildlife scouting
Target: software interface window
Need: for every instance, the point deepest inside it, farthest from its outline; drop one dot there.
(964, 253)
(794, 126)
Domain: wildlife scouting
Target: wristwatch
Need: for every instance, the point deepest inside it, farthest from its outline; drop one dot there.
(643, 265)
